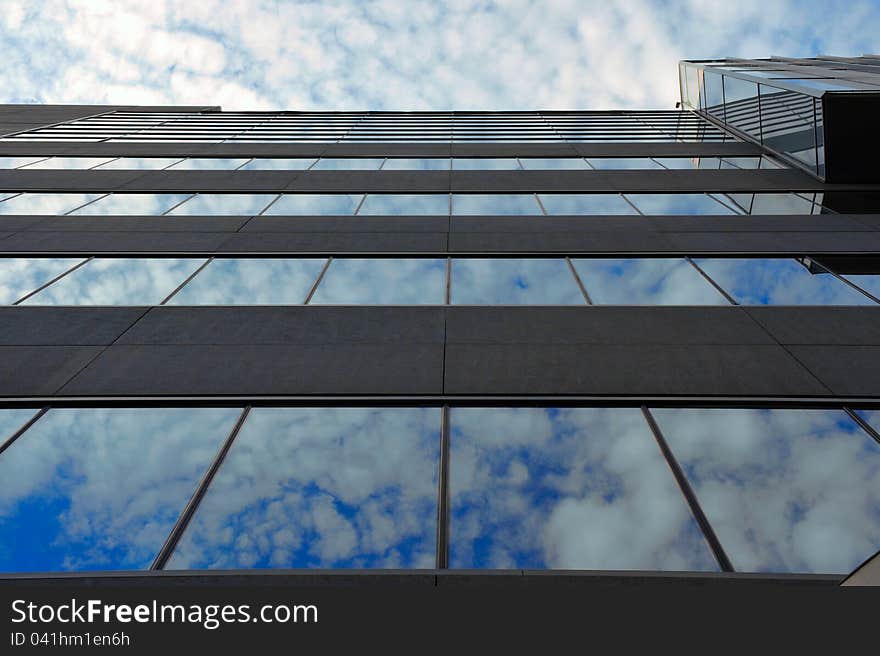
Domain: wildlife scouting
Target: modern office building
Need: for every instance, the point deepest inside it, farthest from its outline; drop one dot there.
(569, 345)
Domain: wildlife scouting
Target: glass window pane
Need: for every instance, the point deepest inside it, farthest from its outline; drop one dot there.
(586, 204)
(101, 489)
(401, 204)
(225, 204)
(484, 163)
(742, 163)
(688, 163)
(416, 164)
(774, 204)
(137, 204)
(68, 163)
(611, 163)
(714, 102)
(251, 281)
(314, 487)
(560, 488)
(508, 281)
(494, 204)
(784, 490)
(380, 281)
(45, 203)
(12, 419)
(278, 164)
(551, 163)
(139, 163)
(870, 282)
(314, 204)
(646, 281)
(118, 281)
(778, 281)
(872, 417)
(19, 276)
(208, 164)
(348, 164)
(741, 105)
(16, 162)
(677, 204)
(788, 122)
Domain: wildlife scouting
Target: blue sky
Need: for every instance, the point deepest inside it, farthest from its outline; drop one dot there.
(394, 54)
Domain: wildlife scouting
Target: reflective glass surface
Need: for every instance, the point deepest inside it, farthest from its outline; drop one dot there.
(583, 488)
(646, 281)
(778, 281)
(872, 417)
(401, 204)
(870, 282)
(380, 281)
(832, 84)
(118, 281)
(19, 276)
(491, 204)
(225, 204)
(416, 164)
(12, 419)
(586, 204)
(137, 204)
(99, 489)
(677, 204)
(348, 164)
(509, 281)
(689, 163)
(484, 163)
(45, 203)
(16, 162)
(623, 163)
(331, 488)
(278, 164)
(741, 111)
(208, 164)
(551, 163)
(251, 281)
(784, 490)
(138, 163)
(68, 163)
(775, 203)
(319, 204)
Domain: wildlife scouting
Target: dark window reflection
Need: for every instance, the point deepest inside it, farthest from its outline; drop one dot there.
(582, 488)
(784, 490)
(677, 204)
(310, 487)
(99, 489)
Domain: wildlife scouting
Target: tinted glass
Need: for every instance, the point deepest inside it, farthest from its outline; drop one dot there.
(489, 204)
(138, 163)
(228, 204)
(623, 163)
(45, 203)
(774, 204)
(508, 281)
(690, 162)
(278, 164)
(382, 282)
(98, 489)
(741, 111)
(778, 281)
(484, 163)
(208, 164)
(585, 204)
(318, 204)
(308, 487)
(122, 281)
(677, 204)
(870, 282)
(16, 162)
(251, 281)
(144, 204)
(646, 281)
(549, 163)
(348, 164)
(19, 276)
(402, 204)
(12, 419)
(69, 163)
(566, 489)
(416, 164)
(785, 490)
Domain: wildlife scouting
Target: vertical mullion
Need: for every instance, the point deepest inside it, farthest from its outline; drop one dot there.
(318, 280)
(186, 280)
(442, 560)
(632, 204)
(54, 280)
(845, 281)
(864, 425)
(192, 505)
(79, 207)
(360, 204)
(691, 498)
(709, 279)
(579, 282)
(23, 428)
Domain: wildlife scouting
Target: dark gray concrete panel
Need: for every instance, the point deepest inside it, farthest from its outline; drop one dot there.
(11, 127)
(64, 326)
(774, 242)
(756, 223)
(65, 180)
(648, 149)
(626, 370)
(538, 223)
(729, 180)
(525, 181)
(93, 242)
(41, 370)
(606, 324)
(15, 223)
(820, 325)
(371, 181)
(208, 181)
(245, 325)
(390, 149)
(262, 370)
(138, 223)
(346, 224)
(845, 370)
(559, 242)
(104, 149)
(526, 149)
(335, 242)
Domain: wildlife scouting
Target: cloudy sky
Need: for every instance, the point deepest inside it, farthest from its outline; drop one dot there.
(391, 54)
